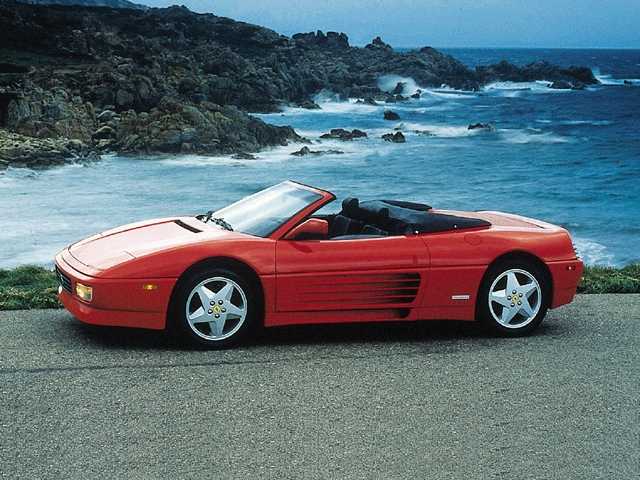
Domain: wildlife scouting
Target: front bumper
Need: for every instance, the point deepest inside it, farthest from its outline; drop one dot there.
(116, 302)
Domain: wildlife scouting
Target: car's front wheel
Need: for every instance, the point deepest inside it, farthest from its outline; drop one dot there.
(215, 308)
(513, 298)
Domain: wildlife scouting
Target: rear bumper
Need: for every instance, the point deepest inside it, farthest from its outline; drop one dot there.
(116, 302)
(565, 276)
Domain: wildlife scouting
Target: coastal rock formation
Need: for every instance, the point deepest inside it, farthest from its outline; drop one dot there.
(23, 151)
(397, 137)
(344, 135)
(367, 101)
(173, 127)
(482, 126)
(378, 44)
(391, 115)
(307, 151)
(505, 71)
(170, 80)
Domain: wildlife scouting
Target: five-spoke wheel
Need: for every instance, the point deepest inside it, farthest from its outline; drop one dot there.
(214, 307)
(513, 297)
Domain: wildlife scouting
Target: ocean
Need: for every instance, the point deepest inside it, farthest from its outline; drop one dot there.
(567, 157)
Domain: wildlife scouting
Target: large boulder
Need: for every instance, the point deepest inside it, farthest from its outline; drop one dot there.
(307, 151)
(319, 39)
(378, 44)
(397, 137)
(489, 127)
(23, 151)
(344, 135)
(391, 115)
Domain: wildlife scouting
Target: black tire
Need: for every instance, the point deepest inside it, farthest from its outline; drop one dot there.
(484, 310)
(178, 322)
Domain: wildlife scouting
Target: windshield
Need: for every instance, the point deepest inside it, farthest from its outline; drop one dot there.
(262, 213)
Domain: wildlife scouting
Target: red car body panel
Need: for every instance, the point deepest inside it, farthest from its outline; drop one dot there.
(406, 277)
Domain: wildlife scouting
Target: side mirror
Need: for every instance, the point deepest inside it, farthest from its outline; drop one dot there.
(311, 229)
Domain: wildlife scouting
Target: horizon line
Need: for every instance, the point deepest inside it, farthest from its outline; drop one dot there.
(440, 47)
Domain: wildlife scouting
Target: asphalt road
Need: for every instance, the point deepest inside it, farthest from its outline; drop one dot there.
(415, 401)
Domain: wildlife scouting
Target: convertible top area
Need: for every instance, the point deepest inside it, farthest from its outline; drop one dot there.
(394, 217)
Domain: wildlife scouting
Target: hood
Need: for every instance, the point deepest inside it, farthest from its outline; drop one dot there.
(116, 246)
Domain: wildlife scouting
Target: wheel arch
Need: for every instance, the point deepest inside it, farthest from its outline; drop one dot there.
(233, 264)
(522, 255)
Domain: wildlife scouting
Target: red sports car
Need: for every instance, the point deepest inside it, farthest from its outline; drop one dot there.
(269, 260)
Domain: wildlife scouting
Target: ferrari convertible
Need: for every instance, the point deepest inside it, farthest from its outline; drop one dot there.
(270, 259)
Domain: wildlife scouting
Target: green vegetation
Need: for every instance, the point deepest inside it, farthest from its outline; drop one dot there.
(611, 280)
(30, 287)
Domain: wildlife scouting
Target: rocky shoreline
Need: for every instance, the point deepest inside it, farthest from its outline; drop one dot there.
(79, 81)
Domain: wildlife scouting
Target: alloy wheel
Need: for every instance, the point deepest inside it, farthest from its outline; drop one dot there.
(515, 298)
(216, 308)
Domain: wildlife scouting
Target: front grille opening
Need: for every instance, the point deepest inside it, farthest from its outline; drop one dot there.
(64, 280)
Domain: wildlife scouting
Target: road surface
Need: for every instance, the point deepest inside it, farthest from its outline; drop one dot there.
(411, 401)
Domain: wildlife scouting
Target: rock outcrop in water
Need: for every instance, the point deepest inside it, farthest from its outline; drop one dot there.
(170, 80)
(22, 151)
(573, 77)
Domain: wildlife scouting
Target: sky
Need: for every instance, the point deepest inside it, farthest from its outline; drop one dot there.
(442, 23)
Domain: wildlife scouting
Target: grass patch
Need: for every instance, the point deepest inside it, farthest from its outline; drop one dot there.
(29, 287)
(611, 280)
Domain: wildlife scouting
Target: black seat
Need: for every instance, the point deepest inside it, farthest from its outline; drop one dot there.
(373, 230)
(342, 225)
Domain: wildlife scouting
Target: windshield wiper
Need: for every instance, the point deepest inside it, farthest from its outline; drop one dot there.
(218, 221)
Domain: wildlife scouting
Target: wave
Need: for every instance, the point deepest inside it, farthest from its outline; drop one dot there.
(592, 252)
(609, 80)
(440, 131)
(516, 89)
(447, 93)
(597, 123)
(350, 150)
(531, 135)
(387, 83)
(512, 136)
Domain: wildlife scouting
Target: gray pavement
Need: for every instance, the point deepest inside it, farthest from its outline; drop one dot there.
(417, 401)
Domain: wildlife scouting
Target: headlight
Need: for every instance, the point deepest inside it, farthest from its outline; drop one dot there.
(84, 292)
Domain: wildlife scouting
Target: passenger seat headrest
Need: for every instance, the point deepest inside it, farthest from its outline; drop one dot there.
(350, 205)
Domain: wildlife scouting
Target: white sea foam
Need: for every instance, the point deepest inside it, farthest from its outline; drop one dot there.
(441, 131)
(350, 150)
(598, 123)
(387, 83)
(592, 252)
(449, 93)
(609, 80)
(513, 136)
(516, 89)
(531, 135)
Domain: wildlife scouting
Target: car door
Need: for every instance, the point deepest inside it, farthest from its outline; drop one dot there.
(382, 273)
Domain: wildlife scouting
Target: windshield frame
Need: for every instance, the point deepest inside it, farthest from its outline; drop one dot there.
(281, 230)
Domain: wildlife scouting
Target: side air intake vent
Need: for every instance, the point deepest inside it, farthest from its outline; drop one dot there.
(351, 291)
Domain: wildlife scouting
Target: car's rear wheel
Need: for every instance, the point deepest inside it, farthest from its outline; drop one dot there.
(513, 298)
(215, 308)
